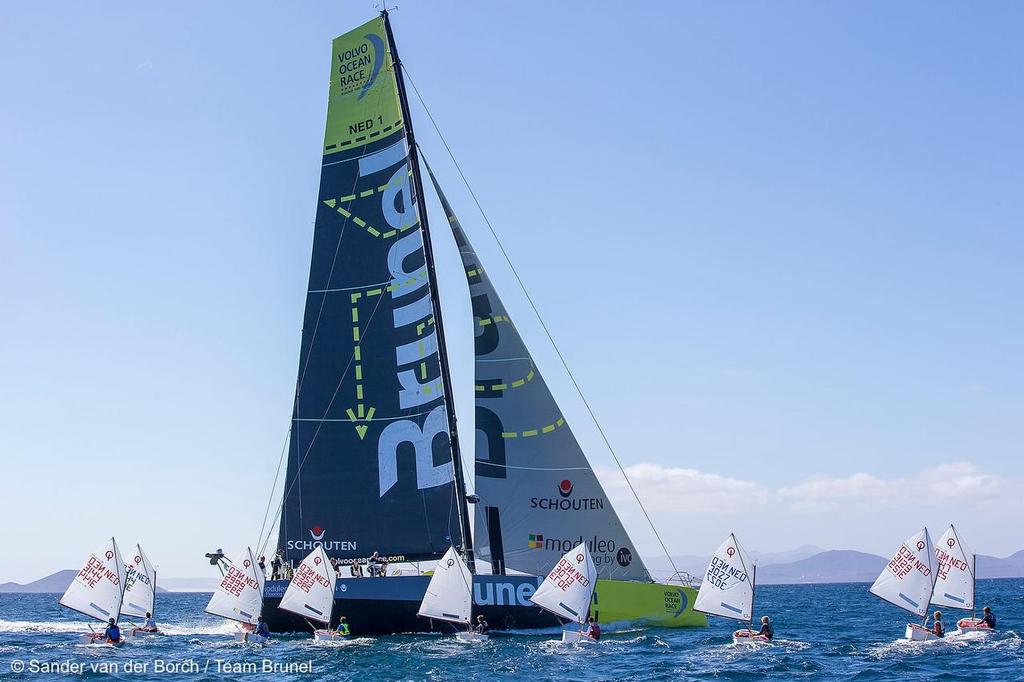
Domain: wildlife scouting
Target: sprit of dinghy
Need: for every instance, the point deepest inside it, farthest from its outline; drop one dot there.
(727, 589)
(449, 596)
(311, 594)
(908, 581)
(239, 596)
(568, 590)
(97, 590)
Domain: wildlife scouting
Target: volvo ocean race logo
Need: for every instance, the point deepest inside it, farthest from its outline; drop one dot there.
(317, 534)
(359, 66)
(565, 501)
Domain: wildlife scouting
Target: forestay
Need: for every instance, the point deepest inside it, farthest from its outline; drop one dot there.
(728, 586)
(568, 588)
(449, 595)
(909, 577)
(311, 591)
(98, 588)
(239, 596)
(954, 584)
(139, 585)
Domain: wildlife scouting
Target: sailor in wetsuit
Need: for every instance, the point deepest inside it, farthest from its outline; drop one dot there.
(766, 631)
(112, 635)
(988, 620)
(938, 629)
(482, 628)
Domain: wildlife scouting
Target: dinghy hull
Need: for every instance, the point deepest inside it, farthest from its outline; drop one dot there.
(576, 637)
(748, 637)
(919, 633)
(972, 625)
(471, 637)
(383, 606)
(328, 636)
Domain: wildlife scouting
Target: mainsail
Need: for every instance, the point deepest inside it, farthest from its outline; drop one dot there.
(909, 577)
(239, 596)
(954, 584)
(311, 591)
(139, 585)
(98, 588)
(449, 595)
(370, 458)
(569, 587)
(539, 496)
(728, 586)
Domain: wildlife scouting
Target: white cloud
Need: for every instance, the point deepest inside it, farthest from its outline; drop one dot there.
(672, 488)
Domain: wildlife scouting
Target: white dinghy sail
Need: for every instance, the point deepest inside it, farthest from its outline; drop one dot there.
(728, 586)
(139, 586)
(569, 587)
(909, 577)
(954, 582)
(311, 591)
(239, 596)
(449, 595)
(98, 589)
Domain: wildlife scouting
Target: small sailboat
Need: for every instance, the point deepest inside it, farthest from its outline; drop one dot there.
(98, 590)
(908, 581)
(728, 589)
(139, 591)
(567, 591)
(449, 596)
(311, 594)
(955, 582)
(239, 596)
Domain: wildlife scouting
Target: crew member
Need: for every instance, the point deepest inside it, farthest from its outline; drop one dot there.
(262, 629)
(482, 628)
(989, 620)
(594, 631)
(767, 631)
(148, 625)
(343, 627)
(112, 635)
(937, 627)
(275, 566)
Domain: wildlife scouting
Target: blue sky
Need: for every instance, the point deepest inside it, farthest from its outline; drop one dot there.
(779, 244)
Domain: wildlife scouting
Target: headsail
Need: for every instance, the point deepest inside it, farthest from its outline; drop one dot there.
(98, 588)
(569, 587)
(311, 591)
(239, 596)
(954, 584)
(908, 579)
(539, 495)
(728, 586)
(370, 458)
(139, 585)
(449, 595)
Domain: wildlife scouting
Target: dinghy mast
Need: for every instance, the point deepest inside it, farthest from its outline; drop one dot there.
(435, 298)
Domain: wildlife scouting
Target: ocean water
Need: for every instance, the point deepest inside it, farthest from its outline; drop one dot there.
(823, 632)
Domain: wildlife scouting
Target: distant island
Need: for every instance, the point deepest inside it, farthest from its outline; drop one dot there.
(803, 565)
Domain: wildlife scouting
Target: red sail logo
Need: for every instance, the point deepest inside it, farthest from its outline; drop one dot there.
(565, 488)
(317, 532)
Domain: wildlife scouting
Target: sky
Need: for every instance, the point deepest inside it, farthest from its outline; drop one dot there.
(779, 245)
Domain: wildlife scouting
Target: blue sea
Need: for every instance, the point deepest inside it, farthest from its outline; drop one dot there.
(823, 632)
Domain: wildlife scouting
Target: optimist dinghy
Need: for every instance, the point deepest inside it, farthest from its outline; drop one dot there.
(140, 592)
(728, 589)
(239, 597)
(567, 591)
(449, 596)
(956, 581)
(311, 594)
(98, 590)
(908, 581)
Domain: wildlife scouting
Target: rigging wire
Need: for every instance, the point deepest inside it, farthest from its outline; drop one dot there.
(536, 312)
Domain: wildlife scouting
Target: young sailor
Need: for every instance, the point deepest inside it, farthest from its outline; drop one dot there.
(937, 627)
(148, 625)
(767, 631)
(594, 631)
(343, 627)
(482, 628)
(262, 629)
(112, 635)
(988, 619)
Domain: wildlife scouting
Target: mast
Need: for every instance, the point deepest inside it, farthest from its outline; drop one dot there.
(442, 350)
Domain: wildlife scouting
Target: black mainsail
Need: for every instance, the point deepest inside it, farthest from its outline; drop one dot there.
(370, 462)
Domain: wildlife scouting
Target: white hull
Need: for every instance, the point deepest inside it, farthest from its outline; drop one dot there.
(575, 637)
(748, 637)
(972, 625)
(919, 633)
(95, 640)
(471, 637)
(144, 633)
(328, 636)
(250, 637)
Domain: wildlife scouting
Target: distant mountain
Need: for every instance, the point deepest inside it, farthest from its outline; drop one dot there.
(190, 584)
(994, 567)
(54, 583)
(833, 566)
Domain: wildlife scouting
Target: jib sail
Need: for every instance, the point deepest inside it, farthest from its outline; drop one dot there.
(370, 458)
(539, 496)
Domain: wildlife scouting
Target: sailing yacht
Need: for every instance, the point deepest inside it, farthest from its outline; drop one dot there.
(908, 581)
(97, 590)
(374, 462)
(727, 589)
